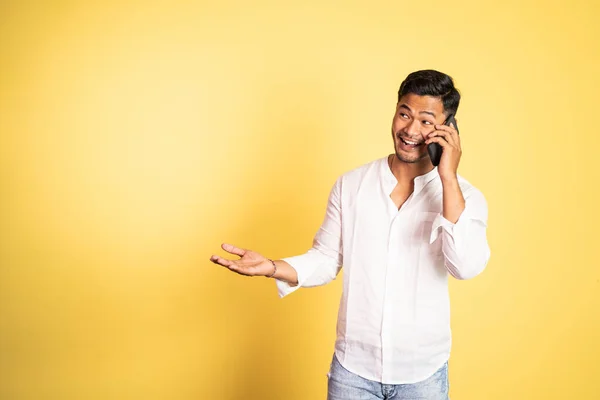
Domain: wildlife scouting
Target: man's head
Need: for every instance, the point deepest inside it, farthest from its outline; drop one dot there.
(425, 98)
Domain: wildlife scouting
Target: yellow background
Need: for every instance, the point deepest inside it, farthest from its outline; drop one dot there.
(135, 138)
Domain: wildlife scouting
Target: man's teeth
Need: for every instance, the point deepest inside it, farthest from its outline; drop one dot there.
(409, 142)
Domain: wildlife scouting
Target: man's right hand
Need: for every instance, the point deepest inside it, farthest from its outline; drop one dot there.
(250, 264)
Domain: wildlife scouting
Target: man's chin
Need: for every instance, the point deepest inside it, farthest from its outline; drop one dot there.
(410, 159)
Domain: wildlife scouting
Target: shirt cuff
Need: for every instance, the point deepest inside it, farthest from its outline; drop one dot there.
(440, 222)
(284, 288)
(304, 267)
(457, 231)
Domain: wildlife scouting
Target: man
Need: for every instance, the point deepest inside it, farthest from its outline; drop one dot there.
(399, 226)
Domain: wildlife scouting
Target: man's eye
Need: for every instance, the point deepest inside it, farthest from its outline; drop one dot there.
(427, 123)
(403, 115)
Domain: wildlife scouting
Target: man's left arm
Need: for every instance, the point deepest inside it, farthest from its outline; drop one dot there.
(462, 227)
(463, 222)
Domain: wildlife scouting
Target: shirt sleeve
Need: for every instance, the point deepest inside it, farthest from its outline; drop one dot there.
(322, 263)
(464, 244)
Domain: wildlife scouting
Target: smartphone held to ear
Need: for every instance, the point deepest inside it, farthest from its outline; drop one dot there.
(434, 149)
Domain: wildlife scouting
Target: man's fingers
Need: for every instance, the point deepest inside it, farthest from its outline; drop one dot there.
(451, 129)
(221, 261)
(234, 266)
(451, 132)
(233, 250)
(447, 136)
(438, 139)
(442, 133)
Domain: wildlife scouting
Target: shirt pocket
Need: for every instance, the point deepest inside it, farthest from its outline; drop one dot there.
(425, 221)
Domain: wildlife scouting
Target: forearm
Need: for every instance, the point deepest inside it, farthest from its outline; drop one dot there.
(453, 199)
(286, 273)
(312, 268)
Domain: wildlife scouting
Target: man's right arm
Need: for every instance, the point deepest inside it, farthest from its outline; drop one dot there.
(318, 266)
(321, 264)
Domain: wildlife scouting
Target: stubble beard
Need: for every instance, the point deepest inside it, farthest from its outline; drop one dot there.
(402, 158)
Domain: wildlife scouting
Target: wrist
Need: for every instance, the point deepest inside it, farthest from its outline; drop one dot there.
(274, 268)
(451, 179)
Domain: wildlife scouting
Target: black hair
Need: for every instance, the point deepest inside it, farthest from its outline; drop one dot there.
(429, 82)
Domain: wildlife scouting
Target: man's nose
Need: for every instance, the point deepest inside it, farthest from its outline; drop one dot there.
(413, 129)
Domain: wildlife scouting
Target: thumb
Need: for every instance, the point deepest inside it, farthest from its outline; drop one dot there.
(233, 250)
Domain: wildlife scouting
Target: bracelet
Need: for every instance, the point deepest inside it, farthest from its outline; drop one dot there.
(274, 266)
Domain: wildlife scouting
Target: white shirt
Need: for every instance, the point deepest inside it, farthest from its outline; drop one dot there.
(394, 318)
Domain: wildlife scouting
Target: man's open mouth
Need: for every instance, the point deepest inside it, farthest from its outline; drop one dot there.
(410, 143)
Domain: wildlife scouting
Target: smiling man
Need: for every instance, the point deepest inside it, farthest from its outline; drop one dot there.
(400, 227)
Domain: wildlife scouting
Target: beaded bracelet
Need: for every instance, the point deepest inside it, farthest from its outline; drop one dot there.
(274, 266)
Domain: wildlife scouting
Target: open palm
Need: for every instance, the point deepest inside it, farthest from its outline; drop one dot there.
(250, 263)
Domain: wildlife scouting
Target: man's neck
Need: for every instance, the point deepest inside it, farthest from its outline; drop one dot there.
(405, 172)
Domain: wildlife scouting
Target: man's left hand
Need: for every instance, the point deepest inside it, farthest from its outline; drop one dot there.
(447, 137)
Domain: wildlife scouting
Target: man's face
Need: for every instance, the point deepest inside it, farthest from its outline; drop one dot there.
(415, 119)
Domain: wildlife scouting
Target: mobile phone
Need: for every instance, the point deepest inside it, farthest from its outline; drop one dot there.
(434, 149)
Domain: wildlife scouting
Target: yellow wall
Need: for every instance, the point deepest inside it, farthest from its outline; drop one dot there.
(134, 139)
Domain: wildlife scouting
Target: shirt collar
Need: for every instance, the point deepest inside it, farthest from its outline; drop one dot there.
(389, 181)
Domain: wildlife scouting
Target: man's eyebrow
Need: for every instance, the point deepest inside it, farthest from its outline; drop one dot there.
(428, 112)
(405, 106)
(421, 112)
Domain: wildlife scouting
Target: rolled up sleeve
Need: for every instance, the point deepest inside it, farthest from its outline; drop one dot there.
(322, 263)
(464, 244)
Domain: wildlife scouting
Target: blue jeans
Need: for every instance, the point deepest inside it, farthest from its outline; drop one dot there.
(344, 385)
